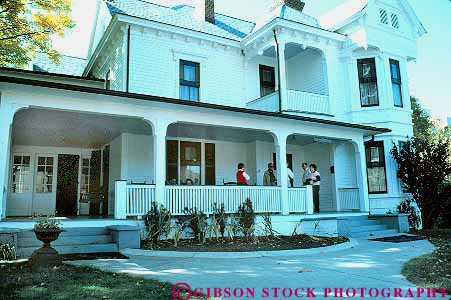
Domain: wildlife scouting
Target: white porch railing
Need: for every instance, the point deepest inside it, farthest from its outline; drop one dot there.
(297, 101)
(349, 199)
(267, 103)
(300, 200)
(307, 102)
(264, 199)
(139, 199)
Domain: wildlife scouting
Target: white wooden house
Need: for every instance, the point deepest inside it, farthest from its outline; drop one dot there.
(171, 93)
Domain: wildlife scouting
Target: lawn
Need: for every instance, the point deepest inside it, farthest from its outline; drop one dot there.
(432, 270)
(76, 283)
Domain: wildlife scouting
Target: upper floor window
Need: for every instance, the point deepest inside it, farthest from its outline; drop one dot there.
(383, 16)
(396, 82)
(368, 82)
(189, 80)
(375, 166)
(394, 21)
(267, 80)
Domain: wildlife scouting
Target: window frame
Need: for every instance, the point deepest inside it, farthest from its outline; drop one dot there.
(397, 81)
(267, 84)
(189, 83)
(372, 79)
(379, 164)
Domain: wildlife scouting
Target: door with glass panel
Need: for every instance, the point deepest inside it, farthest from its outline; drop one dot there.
(44, 185)
(21, 186)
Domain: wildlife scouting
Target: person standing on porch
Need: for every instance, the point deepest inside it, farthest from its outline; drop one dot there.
(315, 180)
(307, 174)
(241, 176)
(290, 177)
(269, 178)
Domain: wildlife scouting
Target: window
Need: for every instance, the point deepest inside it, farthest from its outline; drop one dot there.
(190, 162)
(189, 80)
(375, 165)
(21, 174)
(85, 173)
(383, 16)
(267, 80)
(394, 21)
(368, 82)
(172, 157)
(396, 82)
(44, 175)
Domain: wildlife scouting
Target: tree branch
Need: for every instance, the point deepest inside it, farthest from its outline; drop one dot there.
(24, 34)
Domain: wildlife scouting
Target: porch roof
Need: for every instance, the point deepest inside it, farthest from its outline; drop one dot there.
(369, 130)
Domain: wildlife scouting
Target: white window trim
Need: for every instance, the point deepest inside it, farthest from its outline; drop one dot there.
(188, 56)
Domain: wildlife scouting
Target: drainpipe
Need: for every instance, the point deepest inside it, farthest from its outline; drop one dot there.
(278, 71)
(128, 61)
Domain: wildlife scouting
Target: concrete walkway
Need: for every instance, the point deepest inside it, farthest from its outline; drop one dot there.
(370, 264)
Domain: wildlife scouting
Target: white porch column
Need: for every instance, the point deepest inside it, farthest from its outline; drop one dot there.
(332, 68)
(159, 153)
(282, 174)
(7, 112)
(120, 200)
(283, 76)
(362, 179)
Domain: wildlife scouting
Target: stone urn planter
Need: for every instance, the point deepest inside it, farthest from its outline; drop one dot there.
(46, 231)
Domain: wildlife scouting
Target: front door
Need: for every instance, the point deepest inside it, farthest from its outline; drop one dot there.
(44, 185)
(67, 187)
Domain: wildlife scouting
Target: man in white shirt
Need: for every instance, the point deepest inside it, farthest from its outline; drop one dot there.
(307, 174)
(290, 176)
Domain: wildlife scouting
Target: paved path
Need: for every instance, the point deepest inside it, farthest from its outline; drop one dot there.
(370, 264)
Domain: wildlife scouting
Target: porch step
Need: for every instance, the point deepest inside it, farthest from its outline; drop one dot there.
(71, 240)
(368, 228)
(67, 240)
(70, 249)
(376, 233)
(362, 227)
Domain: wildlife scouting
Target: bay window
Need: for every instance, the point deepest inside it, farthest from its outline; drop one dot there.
(396, 82)
(375, 165)
(368, 82)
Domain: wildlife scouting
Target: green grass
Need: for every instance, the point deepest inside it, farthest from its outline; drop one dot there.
(432, 270)
(76, 283)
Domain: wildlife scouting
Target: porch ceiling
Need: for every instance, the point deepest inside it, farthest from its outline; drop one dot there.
(42, 127)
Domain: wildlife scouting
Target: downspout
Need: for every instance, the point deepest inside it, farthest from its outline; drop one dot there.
(127, 78)
(278, 71)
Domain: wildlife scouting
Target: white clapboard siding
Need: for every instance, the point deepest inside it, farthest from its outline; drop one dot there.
(264, 199)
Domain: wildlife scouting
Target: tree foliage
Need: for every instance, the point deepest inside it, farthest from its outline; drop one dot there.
(424, 166)
(422, 124)
(28, 25)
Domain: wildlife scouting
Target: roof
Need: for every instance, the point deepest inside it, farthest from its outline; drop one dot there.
(182, 16)
(342, 12)
(224, 26)
(92, 90)
(68, 65)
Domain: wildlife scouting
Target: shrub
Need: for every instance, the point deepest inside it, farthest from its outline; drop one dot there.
(197, 223)
(406, 207)
(7, 252)
(158, 222)
(246, 219)
(444, 206)
(220, 218)
(267, 226)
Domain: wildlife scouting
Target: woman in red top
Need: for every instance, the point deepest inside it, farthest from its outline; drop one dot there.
(241, 176)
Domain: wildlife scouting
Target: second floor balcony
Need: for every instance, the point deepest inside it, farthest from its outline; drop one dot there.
(297, 102)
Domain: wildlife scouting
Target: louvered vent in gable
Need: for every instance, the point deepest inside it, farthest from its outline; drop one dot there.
(395, 21)
(383, 16)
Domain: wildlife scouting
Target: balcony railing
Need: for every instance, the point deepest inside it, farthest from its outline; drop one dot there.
(297, 101)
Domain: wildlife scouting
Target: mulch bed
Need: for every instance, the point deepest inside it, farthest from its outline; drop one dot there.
(91, 256)
(243, 245)
(398, 239)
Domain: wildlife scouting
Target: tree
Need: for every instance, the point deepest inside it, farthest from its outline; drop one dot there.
(421, 120)
(424, 166)
(28, 25)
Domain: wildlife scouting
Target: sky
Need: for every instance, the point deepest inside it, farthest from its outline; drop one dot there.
(429, 76)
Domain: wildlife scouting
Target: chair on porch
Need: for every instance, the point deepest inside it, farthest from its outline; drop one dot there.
(95, 201)
(228, 182)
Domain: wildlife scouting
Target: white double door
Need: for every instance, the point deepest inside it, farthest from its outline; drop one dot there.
(33, 185)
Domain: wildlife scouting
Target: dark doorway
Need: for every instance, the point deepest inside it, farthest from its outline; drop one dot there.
(67, 185)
